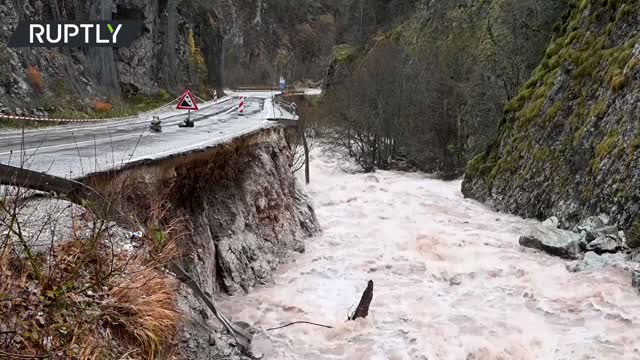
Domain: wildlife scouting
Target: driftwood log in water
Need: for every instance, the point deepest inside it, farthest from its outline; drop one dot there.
(365, 301)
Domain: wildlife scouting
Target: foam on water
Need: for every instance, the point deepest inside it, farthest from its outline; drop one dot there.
(451, 282)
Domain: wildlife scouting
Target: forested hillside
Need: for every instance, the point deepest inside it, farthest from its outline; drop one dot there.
(428, 87)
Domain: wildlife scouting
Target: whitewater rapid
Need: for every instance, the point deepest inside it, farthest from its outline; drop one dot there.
(450, 282)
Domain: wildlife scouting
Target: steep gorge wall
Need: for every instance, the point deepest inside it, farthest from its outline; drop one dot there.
(568, 143)
(245, 210)
(185, 43)
(453, 63)
(71, 77)
(244, 213)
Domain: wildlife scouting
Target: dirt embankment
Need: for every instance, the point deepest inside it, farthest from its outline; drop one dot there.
(243, 213)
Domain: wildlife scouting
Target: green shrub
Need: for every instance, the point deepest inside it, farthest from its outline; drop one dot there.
(344, 53)
(603, 150)
(552, 113)
(542, 154)
(633, 235)
(599, 109)
(530, 112)
(474, 165)
(618, 83)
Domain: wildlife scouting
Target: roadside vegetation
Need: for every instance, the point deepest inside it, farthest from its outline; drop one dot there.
(57, 100)
(92, 109)
(76, 285)
(96, 108)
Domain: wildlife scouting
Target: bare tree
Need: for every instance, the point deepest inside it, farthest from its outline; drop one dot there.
(433, 97)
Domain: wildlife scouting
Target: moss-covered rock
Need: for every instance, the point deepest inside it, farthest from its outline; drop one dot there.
(633, 238)
(579, 116)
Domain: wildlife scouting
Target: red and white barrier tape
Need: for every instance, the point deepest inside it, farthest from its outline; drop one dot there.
(215, 97)
(44, 118)
(30, 118)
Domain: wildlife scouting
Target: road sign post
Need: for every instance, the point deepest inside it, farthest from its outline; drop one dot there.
(187, 102)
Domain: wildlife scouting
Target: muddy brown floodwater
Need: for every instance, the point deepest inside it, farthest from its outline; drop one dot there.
(451, 282)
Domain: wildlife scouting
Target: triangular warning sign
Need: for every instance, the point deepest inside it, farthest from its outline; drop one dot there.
(187, 102)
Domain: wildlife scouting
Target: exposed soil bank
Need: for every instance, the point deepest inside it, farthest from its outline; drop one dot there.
(244, 213)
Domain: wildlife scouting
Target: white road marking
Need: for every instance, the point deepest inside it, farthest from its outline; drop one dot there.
(70, 144)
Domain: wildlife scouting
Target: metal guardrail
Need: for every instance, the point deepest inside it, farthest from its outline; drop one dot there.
(290, 107)
(289, 92)
(258, 88)
(16, 176)
(293, 109)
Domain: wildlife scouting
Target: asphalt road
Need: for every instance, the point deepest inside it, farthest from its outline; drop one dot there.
(75, 151)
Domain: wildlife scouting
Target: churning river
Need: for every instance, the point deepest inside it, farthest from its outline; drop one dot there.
(450, 282)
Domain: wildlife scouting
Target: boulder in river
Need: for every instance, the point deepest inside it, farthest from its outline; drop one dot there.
(589, 224)
(591, 261)
(552, 222)
(599, 237)
(601, 232)
(605, 244)
(553, 241)
(603, 240)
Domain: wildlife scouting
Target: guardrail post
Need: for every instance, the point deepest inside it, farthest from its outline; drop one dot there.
(306, 149)
(291, 107)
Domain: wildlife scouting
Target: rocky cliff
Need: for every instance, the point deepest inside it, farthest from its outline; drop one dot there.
(185, 43)
(243, 213)
(568, 142)
(50, 78)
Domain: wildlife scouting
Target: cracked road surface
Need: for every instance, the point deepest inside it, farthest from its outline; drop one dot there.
(77, 150)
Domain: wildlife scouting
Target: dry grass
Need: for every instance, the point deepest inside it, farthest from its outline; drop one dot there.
(102, 106)
(92, 300)
(144, 300)
(35, 77)
(144, 309)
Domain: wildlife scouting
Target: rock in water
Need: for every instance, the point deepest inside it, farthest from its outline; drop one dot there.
(622, 237)
(604, 244)
(602, 232)
(589, 224)
(553, 241)
(591, 261)
(552, 222)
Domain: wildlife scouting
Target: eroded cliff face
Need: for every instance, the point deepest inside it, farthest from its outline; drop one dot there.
(243, 211)
(244, 208)
(47, 80)
(568, 143)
